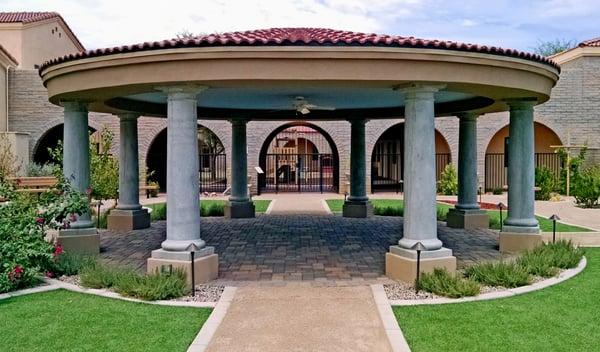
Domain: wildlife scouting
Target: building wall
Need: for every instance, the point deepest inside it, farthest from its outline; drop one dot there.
(11, 39)
(3, 101)
(43, 41)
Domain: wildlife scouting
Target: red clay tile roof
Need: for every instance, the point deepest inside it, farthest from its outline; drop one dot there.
(302, 37)
(30, 17)
(591, 42)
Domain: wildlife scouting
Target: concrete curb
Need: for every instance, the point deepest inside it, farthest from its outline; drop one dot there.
(390, 324)
(571, 224)
(28, 291)
(326, 207)
(565, 275)
(270, 207)
(215, 319)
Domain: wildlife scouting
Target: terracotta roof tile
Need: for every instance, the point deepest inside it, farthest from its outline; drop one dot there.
(31, 17)
(303, 37)
(592, 42)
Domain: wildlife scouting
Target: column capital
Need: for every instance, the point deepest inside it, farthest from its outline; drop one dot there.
(238, 121)
(125, 116)
(182, 92)
(521, 104)
(467, 115)
(74, 105)
(361, 121)
(418, 90)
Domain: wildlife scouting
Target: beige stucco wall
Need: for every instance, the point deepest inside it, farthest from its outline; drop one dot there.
(44, 41)
(544, 138)
(11, 39)
(3, 78)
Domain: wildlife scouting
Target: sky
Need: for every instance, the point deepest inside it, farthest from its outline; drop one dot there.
(518, 24)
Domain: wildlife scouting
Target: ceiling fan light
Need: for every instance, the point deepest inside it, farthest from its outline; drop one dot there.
(304, 110)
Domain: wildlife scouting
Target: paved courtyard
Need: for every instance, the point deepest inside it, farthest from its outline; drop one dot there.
(297, 247)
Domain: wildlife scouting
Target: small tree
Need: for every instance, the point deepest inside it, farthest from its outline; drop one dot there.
(104, 168)
(587, 187)
(449, 181)
(544, 179)
(9, 163)
(571, 165)
(551, 47)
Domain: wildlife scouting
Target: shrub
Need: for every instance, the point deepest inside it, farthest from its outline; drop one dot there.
(442, 214)
(159, 212)
(449, 181)
(586, 187)
(71, 264)
(47, 169)
(212, 209)
(104, 168)
(388, 210)
(537, 263)
(442, 283)
(502, 274)
(544, 179)
(127, 282)
(497, 191)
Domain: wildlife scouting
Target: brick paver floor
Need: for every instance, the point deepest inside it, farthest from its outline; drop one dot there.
(297, 247)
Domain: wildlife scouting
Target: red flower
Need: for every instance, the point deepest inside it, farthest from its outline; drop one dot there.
(57, 251)
(18, 270)
(49, 274)
(88, 190)
(40, 220)
(16, 273)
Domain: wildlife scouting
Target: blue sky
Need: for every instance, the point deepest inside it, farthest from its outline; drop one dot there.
(508, 23)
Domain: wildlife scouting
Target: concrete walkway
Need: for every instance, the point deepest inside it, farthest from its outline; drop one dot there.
(298, 203)
(301, 318)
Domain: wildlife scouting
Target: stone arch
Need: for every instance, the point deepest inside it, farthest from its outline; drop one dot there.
(266, 138)
(215, 164)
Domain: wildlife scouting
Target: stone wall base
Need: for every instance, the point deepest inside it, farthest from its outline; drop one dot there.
(513, 242)
(468, 219)
(404, 267)
(80, 241)
(236, 210)
(127, 220)
(206, 268)
(357, 210)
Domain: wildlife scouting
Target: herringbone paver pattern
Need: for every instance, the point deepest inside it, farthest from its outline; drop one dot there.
(297, 247)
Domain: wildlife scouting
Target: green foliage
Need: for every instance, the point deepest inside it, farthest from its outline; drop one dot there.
(504, 274)
(560, 255)
(47, 169)
(545, 180)
(442, 213)
(586, 187)
(71, 263)
(442, 283)
(551, 47)
(24, 253)
(388, 210)
(56, 153)
(574, 166)
(497, 191)
(104, 168)
(159, 211)
(212, 209)
(156, 286)
(448, 184)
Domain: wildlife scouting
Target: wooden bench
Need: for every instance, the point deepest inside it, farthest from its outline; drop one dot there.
(34, 185)
(148, 188)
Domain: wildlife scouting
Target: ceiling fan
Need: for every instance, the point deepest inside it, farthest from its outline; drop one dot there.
(302, 106)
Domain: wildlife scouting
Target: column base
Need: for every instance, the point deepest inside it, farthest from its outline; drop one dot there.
(80, 241)
(401, 263)
(239, 210)
(468, 219)
(514, 242)
(357, 210)
(127, 220)
(206, 263)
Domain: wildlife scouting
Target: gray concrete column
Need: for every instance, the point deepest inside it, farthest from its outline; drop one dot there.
(76, 153)
(129, 214)
(183, 203)
(357, 204)
(466, 214)
(239, 205)
(521, 169)
(420, 213)
(129, 173)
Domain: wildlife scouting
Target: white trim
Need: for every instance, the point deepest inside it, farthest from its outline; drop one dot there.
(565, 275)
(270, 207)
(326, 207)
(390, 324)
(215, 319)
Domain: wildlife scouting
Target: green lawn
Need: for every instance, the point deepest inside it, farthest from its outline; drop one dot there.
(545, 225)
(68, 321)
(260, 205)
(560, 318)
(159, 210)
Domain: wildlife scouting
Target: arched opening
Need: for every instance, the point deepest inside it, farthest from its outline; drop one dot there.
(299, 157)
(496, 161)
(387, 160)
(212, 171)
(50, 140)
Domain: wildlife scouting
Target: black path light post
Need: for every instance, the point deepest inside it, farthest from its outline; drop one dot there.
(193, 248)
(418, 247)
(554, 219)
(500, 207)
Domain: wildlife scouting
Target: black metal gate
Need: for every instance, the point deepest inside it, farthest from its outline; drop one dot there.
(300, 173)
(213, 172)
(495, 168)
(387, 170)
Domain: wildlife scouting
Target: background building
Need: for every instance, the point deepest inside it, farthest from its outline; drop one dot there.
(299, 155)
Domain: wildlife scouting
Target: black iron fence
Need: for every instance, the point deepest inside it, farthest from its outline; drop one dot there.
(213, 173)
(300, 173)
(387, 171)
(495, 168)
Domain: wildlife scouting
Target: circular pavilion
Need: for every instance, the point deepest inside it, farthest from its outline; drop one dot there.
(315, 74)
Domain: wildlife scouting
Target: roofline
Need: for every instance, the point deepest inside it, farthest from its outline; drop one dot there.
(6, 57)
(575, 53)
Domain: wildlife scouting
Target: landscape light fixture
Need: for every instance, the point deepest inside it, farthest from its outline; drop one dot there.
(501, 206)
(554, 218)
(193, 248)
(418, 247)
